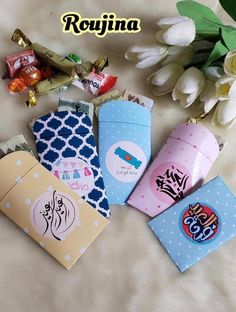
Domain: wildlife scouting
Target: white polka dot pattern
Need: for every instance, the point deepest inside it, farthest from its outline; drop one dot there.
(169, 226)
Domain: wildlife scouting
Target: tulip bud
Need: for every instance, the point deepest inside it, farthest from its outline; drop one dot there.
(230, 64)
(225, 113)
(179, 31)
(146, 55)
(165, 78)
(208, 96)
(189, 86)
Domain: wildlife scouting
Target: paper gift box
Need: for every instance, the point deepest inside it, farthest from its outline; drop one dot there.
(198, 224)
(124, 147)
(46, 209)
(66, 146)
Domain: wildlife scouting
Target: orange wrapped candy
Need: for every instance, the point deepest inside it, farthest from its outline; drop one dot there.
(16, 85)
(30, 75)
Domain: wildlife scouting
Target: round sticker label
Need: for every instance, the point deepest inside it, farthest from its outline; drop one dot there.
(76, 173)
(126, 161)
(199, 223)
(170, 181)
(54, 215)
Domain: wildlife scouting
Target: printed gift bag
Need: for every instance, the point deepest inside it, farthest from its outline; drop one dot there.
(66, 146)
(124, 146)
(198, 224)
(46, 209)
(180, 167)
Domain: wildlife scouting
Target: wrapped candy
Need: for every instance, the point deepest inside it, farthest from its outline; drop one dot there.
(30, 75)
(58, 72)
(74, 58)
(96, 83)
(51, 58)
(32, 100)
(16, 85)
(18, 60)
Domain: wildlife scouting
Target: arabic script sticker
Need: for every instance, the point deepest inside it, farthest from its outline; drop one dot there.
(54, 215)
(126, 161)
(170, 181)
(200, 223)
(76, 173)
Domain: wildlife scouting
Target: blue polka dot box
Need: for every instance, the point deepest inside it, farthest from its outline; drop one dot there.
(198, 224)
(66, 146)
(124, 147)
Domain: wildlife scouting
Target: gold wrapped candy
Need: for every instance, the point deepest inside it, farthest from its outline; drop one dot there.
(32, 100)
(46, 55)
(66, 72)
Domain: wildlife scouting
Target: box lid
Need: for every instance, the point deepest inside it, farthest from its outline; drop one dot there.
(125, 112)
(199, 137)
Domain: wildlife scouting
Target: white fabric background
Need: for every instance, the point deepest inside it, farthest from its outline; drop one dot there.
(126, 269)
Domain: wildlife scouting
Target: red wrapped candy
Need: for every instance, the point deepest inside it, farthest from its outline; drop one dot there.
(16, 61)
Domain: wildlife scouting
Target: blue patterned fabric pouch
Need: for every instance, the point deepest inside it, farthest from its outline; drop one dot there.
(66, 147)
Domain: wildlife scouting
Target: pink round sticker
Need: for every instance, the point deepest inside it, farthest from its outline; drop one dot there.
(170, 181)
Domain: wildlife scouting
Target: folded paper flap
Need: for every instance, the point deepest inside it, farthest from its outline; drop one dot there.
(13, 167)
(47, 210)
(62, 123)
(125, 112)
(199, 137)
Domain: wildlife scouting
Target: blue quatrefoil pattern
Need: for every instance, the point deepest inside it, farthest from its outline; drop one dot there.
(62, 135)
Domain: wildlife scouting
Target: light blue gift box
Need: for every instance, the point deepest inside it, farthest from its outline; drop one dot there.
(124, 147)
(198, 224)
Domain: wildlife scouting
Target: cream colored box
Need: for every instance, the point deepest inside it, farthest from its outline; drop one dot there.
(46, 209)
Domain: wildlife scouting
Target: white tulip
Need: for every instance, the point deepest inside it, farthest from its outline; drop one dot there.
(189, 86)
(182, 55)
(178, 31)
(230, 63)
(225, 88)
(225, 113)
(165, 78)
(208, 96)
(146, 55)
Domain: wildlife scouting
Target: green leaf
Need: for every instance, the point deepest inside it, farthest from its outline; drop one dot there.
(230, 7)
(229, 38)
(219, 50)
(206, 21)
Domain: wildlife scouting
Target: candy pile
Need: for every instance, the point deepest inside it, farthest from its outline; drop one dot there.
(43, 70)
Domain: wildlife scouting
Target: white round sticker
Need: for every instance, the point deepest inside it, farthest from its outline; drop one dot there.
(76, 173)
(54, 215)
(126, 161)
